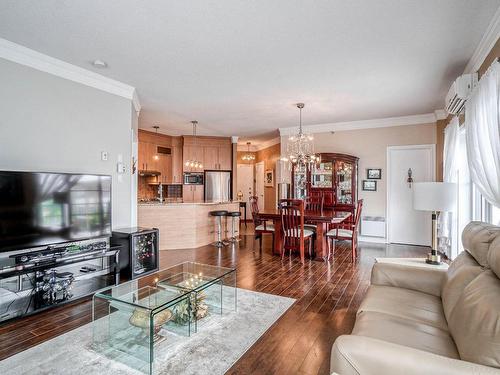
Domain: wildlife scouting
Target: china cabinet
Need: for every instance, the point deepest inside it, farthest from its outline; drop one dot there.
(335, 177)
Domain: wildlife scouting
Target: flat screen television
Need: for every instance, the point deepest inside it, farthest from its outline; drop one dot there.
(42, 209)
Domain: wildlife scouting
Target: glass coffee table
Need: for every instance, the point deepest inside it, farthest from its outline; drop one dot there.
(133, 319)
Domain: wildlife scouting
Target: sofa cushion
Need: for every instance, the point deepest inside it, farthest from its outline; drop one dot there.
(477, 237)
(405, 303)
(461, 272)
(405, 332)
(475, 321)
(494, 256)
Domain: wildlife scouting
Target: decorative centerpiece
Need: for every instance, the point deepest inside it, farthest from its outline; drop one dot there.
(140, 319)
(199, 309)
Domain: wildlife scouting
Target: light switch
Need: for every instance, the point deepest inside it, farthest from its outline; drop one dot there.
(104, 155)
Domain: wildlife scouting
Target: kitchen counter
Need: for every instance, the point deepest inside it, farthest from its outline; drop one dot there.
(184, 225)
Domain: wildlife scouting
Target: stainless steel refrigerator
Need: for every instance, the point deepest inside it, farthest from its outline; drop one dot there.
(217, 186)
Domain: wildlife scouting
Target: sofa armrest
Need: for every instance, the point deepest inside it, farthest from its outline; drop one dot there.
(359, 355)
(421, 279)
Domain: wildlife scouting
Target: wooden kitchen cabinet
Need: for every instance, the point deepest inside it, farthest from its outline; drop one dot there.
(210, 157)
(225, 157)
(149, 159)
(192, 193)
(177, 165)
(192, 153)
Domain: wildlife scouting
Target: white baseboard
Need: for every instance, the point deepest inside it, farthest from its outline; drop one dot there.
(372, 239)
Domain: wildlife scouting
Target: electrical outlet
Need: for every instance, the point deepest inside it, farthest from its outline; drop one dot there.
(104, 155)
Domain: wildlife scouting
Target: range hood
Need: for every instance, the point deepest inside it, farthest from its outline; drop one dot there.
(147, 173)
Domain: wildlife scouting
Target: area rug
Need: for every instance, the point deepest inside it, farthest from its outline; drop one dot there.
(220, 341)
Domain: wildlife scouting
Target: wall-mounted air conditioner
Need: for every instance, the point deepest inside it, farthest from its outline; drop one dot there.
(459, 92)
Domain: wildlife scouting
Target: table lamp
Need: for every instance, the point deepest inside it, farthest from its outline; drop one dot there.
(435, 197)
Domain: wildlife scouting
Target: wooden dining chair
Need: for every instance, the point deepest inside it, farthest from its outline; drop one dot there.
(260, 226)
(313, 203)
(348, 232)
(292, 223)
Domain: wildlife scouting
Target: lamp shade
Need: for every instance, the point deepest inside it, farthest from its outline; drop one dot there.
(434, 196)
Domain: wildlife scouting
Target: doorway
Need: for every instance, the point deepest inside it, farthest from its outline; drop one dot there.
(404, 224)
(244, 184)
(259, 184)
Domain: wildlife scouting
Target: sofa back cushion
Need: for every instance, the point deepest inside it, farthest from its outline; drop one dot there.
(477, 238)
(461, 272)
(475, 321)
(494, 256)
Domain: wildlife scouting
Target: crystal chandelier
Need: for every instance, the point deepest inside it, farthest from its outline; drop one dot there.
(300, 147)
(248, 156)
(193, 163)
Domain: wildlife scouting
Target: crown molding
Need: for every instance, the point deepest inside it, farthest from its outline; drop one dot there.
(260, 146)
(440, 114)
(427, 118)
(234, 139)
(484, 47)
(44, 63)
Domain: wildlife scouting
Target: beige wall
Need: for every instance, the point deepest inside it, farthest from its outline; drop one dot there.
(370, 146)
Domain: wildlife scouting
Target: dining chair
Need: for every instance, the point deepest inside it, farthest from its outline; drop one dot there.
(347, 232)
(313, 203)
(292, 223)
(260, 226)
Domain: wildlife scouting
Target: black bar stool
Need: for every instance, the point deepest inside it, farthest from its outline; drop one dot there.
(218, 216)
(233, 215)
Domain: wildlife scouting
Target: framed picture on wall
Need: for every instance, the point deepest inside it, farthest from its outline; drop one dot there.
(369, 185)
(269, 178)
(374, 173)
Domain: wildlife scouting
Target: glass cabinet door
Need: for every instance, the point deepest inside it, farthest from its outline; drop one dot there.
(343, 182)
(300, 182)
(322, 175)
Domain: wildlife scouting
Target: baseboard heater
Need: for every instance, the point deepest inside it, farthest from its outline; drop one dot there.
(373, 226)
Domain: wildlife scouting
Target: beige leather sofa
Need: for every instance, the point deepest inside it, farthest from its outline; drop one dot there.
(418, 320)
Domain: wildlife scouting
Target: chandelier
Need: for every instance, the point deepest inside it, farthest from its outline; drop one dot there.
(300, 147)
(193, 163)
(248, 156)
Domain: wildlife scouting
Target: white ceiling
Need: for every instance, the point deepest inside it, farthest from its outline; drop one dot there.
(238, 66)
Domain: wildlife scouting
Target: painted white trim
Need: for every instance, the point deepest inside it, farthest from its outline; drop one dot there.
(484, 47)
(39, 61)
(432, 147)
(428, 118)
(234, 139)
(440, 114)
(372, 239)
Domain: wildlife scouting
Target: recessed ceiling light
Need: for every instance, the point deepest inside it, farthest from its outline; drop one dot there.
(99, 64)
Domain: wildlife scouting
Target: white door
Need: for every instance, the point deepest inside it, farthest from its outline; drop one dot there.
(259, 184)
(244, 184)
(406, 225)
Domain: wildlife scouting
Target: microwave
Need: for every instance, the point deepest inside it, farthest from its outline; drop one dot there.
(193, 178)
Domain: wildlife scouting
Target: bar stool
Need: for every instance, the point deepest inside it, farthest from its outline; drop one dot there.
(233, 215)
(218, 216)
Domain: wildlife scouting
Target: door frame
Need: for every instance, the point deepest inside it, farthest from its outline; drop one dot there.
(432, 148)
(263, 187)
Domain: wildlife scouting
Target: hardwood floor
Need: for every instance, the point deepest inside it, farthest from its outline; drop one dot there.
(328, 295)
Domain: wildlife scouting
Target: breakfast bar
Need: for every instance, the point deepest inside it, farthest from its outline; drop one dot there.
(185, 225)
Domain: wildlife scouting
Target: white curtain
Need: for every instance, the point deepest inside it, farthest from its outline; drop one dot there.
(447, 224)
(482, 126)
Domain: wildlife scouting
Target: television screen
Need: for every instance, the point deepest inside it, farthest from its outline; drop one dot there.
(40, 209)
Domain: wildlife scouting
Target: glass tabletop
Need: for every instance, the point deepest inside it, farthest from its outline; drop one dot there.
(192, 276)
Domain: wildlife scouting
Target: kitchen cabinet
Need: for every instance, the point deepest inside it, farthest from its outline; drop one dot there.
(217, 157)
(192, 152)
(146, 156)
(177, 165)
(210, 157)
(226, 157)
(192, 193)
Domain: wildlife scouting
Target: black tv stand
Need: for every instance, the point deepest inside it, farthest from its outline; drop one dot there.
(33, 280)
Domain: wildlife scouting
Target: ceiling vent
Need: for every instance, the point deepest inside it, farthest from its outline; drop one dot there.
(459, 92)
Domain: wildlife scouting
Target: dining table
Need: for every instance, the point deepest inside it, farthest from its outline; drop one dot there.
(321, 218)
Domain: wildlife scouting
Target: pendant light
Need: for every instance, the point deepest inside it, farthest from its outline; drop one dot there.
(194, 163)
(248, 156)
(300, 147)
(156, 127)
